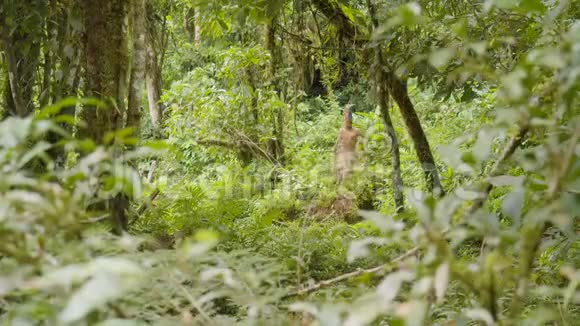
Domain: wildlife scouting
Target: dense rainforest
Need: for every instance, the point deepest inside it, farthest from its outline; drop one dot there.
(289, 162)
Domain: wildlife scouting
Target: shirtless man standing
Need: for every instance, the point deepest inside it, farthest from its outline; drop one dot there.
(345, 155)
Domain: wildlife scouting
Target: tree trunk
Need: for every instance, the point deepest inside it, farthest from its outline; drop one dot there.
(106, 56)
(138, 70)
(383, 95)
(276, 146)
(45, 93)
(396, 177)
(192, 25)
(398, 90)
(189, 24)
(197, 20)
(14, 101)
(153, 74)
(153, 89)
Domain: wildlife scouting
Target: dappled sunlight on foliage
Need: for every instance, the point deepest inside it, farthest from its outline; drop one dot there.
(173, 162)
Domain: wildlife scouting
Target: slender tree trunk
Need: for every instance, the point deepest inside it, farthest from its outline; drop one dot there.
(197, 20)
(383, 95)
(138, 70)
(14, 101)
(153, 87)
(192, 25)
(189, 24)
(21, 70)
(45, 93)
(396, 176)
(153, 73)
(276, 147)
(398, 90)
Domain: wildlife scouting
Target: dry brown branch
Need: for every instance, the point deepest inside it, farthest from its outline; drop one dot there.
(340, 278)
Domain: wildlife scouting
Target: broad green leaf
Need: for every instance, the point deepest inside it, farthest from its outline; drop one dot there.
(225, 274)
(441, 57)
(482, 147)
(157, 144)
(460, 28)
(452, 155)
(479, 47)
(441, 281)
(348, 12)
(205, 241)
(446, 207)
(360, 248)
(54, 109)
(466, 194)
(391, 284)
(223, 23)
(533, 5)
(38, 150)
(384, 223)
(421, 203)
(423, 286)
(66, 119)
(410, 13)
(513, 86)
(361, 314)
(480, 314)
(206, 236)
(14, 131)
(550, 58)
(413, 312)
(120, 322)
(507, 180)
(304, 307)
(93, 295)
(72, 274)
(502, 4)
(512, 205)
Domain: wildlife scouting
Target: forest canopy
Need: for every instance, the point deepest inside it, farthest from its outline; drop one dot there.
(289, 162)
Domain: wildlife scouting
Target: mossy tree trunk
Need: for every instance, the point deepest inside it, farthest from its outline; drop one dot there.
(382, 95)
(106, 59)
(153, 71)
(399, 92)
(276, 144)
(137, 79)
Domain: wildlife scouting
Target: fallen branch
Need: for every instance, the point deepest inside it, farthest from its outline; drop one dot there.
(340, 278)
(243, 143)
